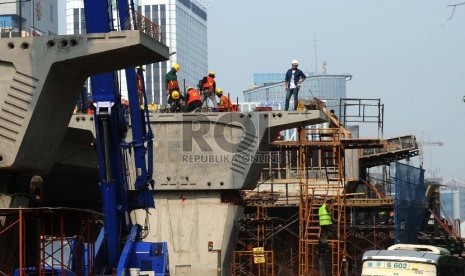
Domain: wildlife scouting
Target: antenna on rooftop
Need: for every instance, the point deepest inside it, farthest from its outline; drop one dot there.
(316, 57)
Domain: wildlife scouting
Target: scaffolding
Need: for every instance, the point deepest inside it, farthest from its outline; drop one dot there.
(48, 241)
(326, 161)
(320, 178)
(319, 165)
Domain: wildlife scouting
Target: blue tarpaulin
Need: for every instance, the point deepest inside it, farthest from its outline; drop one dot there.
(410, 203)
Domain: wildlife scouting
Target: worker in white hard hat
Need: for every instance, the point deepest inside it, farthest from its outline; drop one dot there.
(293, 81)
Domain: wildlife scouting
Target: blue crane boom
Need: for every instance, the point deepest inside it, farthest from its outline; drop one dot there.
(110, 123)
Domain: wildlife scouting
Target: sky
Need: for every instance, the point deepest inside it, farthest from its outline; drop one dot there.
(406, 53)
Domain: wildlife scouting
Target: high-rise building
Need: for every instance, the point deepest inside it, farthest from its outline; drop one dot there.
(269, 90)
(453, 199)
(33, 17)
(183, 25)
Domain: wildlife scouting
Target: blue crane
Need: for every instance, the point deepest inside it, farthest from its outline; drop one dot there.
(111, 124)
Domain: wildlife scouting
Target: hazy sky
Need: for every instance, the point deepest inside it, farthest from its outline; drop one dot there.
(404, 52)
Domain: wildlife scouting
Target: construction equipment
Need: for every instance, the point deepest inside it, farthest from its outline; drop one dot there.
(42, 78)
(422, 143)
(110, 129)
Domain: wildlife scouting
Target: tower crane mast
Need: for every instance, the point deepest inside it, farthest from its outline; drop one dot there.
(422, 143)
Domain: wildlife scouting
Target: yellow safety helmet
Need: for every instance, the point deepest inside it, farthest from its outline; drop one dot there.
(219, 91)
(212, 73)
(176, 67)
(175, 94)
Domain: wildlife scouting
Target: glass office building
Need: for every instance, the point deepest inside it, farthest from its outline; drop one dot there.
(270, 90)
(261, 79)
(31, 18)
(183, 25)
(453, 199)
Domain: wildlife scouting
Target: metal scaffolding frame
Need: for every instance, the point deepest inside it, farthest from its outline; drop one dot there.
(48, 241)
(309, 171)
(326, 162)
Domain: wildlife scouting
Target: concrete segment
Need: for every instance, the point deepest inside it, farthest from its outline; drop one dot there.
(189, 212)
(41, 79)
(202, 151)
(218, 151)
(188, 221)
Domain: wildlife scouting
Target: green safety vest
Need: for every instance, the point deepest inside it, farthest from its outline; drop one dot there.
(324, 216)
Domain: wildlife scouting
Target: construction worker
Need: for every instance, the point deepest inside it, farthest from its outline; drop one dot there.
(325, 218)
(391, 217)
(193, 99)
(208, 86)
(140, 84)
(293, 81)
(175, 101)
(333, 118)
(225, 103)
(209, 83)
(171, 79)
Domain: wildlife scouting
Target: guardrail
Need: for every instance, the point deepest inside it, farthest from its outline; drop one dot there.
(137, 21)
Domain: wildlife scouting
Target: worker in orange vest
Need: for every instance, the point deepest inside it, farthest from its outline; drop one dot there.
(208, 86)
(225, 103)
(174, 100)
(171, 79)
(193, 99)
(209, 83)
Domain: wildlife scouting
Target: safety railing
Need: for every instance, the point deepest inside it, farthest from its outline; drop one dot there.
(137, 21)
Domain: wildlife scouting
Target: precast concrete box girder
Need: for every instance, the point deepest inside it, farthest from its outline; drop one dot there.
(209, 151)
(41, 79)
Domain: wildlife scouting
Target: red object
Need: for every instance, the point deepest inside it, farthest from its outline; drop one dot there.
(209, 83)
(194, 95)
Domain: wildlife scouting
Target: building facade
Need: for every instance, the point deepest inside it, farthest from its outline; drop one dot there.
(269, 90)
(33, 17)
(453, 199)
(183, 25)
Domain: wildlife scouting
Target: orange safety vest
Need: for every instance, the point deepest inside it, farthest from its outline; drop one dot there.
(194, 95)
(225, 102)
(140, 85)
(209, 84)
(173, 85)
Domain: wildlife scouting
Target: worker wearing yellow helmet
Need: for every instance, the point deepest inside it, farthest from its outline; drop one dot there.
(175, 95)
(209, 83)
(193, 99)
(225, 103)
(171, 79)
(175, 101)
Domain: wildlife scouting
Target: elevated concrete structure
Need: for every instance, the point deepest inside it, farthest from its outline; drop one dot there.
(41, 79)
(199, 158)
(218, 151)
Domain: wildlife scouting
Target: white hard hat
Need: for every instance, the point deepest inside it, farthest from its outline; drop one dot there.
(295, 61)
